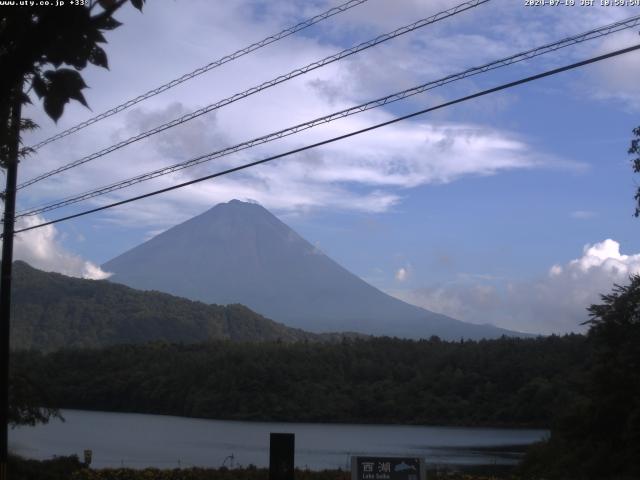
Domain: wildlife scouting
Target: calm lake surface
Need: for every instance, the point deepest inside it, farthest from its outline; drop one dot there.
(138, 441)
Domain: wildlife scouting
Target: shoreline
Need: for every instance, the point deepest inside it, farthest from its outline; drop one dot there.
(480, 426)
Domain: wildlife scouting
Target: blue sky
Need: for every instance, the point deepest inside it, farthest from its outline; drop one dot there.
(496, 210)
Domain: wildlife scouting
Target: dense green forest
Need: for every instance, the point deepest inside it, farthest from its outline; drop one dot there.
(505, 382)
(51, 311)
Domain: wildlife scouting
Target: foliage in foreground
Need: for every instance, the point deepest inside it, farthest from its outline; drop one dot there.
(240, 474)
(599, 435)
(45, 48)
(70, 468)
(504, 382)
(60, 468)
(26, 400)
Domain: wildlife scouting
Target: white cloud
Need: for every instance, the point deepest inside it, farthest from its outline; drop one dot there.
(555, 270)
(555, 303)
(602, 257)
(401, 274)
(617, 79)
(369, 173)
(41, 248)
(583, 214)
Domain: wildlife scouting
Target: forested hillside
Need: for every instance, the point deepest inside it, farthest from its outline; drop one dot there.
(505, 382)
(52, 311)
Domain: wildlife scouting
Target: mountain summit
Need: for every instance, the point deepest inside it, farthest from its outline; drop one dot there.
(239, 252)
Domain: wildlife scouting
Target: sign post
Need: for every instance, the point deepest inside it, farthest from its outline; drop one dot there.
(88, 454)
(281, 456)
(387, 468)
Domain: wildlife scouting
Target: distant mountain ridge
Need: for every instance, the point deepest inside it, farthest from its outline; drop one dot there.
(239, 252)
(51, 311)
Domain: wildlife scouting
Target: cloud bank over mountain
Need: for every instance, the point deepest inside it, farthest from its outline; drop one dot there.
(555, 303)
(42, 248)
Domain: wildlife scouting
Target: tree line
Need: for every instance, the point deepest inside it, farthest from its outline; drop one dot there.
(504, 382)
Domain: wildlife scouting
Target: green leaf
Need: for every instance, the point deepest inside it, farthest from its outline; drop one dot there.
(54, 106)
(137, 4)
(107, 23)
(96, 36)
(106, 4)
(64, 84)
(39, 86)
(99, 57)
(27, 124)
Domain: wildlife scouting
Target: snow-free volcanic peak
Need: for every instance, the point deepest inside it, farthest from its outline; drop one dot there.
(239, 252)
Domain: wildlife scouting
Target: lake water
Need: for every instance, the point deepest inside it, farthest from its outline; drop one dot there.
(138, 441)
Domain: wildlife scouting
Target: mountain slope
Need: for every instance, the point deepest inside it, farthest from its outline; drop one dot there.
(239, 252)
(51, 311)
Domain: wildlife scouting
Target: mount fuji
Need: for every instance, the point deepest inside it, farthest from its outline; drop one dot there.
(239, 252)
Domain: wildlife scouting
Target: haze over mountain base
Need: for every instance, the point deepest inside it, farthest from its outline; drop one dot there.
(239, 252)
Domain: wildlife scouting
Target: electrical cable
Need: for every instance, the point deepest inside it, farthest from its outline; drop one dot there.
(575, 39)
(199, 71)
(505, 86)
(251, 91)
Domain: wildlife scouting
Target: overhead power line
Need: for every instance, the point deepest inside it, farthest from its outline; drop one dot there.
(251, 91)
(505, 86)
(199, 71)
(551, 47)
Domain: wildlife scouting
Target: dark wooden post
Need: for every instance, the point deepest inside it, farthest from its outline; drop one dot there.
(281, 456)
(13, 146)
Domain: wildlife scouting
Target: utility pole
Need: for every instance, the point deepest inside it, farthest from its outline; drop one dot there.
(13, 147)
